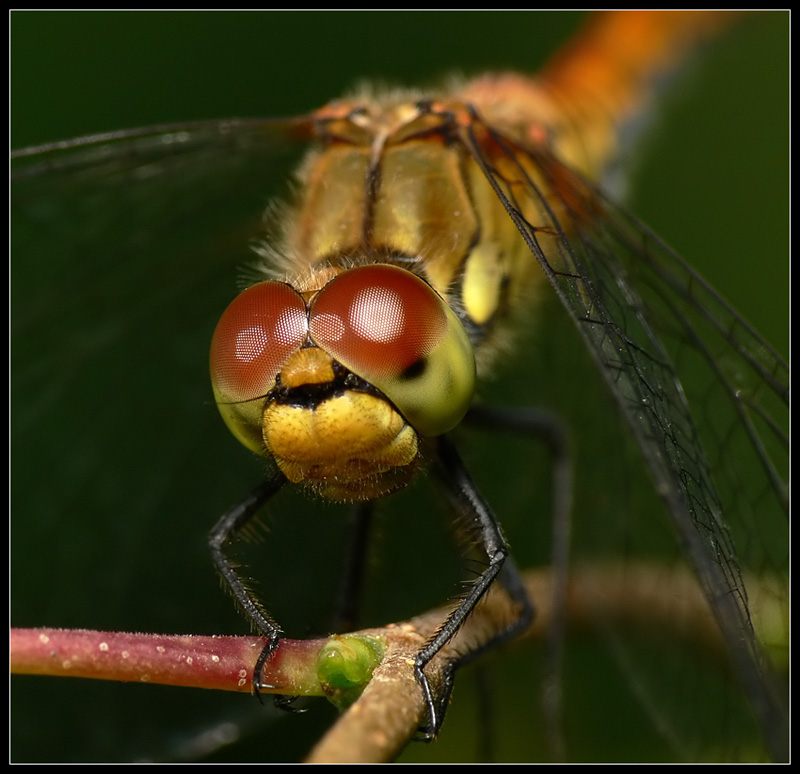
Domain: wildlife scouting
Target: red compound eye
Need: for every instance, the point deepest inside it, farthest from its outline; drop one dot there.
(256, 334)
(378, 321)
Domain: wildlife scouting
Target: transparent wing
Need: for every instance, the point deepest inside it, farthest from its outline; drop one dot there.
(125, 250)
(705, 397)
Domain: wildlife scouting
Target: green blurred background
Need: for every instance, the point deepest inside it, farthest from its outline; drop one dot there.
(713, 183)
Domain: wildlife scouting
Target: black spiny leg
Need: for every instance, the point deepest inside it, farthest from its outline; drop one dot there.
(226, 528)
(465, 498)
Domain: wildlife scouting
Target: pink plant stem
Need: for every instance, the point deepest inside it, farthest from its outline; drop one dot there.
(221, 663)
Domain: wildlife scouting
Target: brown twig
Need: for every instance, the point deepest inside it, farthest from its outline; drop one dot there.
(388, 713)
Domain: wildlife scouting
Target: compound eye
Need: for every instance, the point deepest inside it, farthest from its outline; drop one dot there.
(254, 337)
(377, 320)
(260, 329)
(392, 329)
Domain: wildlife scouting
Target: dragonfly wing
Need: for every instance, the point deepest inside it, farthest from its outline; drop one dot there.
(705, 396)
(125, 251)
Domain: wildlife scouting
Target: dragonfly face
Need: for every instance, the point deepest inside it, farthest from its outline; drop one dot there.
(335, 390)
(110, 520)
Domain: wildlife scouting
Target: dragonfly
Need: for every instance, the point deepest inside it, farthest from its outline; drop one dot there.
(100, 407)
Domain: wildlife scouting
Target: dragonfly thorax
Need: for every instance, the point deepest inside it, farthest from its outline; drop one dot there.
(392, 180)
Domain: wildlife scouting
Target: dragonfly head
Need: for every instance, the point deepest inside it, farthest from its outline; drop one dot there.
(341, 384)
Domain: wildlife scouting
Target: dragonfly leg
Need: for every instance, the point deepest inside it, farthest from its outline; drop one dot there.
(225, 529)
(466, 498)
